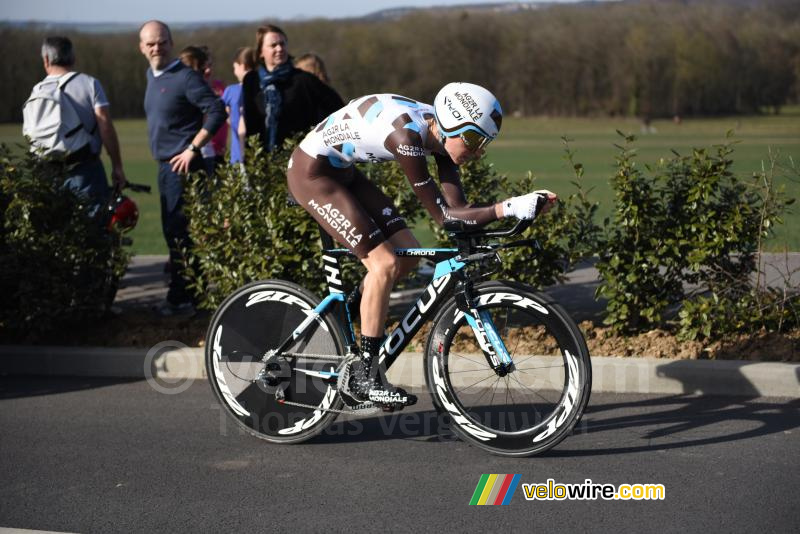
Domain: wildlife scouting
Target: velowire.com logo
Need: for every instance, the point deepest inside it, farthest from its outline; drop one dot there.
(495, 489)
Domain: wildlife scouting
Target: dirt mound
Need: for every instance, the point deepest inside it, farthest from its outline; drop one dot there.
(764, 346)
(143, 329)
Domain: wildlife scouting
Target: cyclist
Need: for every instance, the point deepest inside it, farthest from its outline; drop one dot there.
(322, 177)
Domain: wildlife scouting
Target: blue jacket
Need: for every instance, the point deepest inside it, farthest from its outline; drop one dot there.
(175, 104)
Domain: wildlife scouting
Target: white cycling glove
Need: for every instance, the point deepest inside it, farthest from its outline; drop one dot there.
(526, 207)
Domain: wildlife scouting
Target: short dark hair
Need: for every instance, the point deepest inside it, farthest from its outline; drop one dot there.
(58, 51)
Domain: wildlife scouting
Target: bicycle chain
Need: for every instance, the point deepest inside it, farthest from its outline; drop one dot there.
(363, 408)
(326, 357)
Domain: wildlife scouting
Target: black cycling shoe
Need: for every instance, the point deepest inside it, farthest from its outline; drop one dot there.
(368, 383)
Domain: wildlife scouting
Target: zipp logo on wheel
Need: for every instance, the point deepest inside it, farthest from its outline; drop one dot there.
(495, 489)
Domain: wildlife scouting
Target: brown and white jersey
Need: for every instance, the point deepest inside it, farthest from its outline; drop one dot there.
(372, 128)
(388, 127)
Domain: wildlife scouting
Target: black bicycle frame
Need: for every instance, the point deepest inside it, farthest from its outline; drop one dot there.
(449, 273)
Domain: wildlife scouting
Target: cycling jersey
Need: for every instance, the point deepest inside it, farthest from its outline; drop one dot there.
(376, 128)
(372, 128)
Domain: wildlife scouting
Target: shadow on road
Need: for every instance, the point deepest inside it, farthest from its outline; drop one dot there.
(14, 387)
(681, 421)
(661, 423)
(416, 425)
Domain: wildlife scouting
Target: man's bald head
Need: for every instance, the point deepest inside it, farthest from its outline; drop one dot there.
(155, 43)
(154, 25)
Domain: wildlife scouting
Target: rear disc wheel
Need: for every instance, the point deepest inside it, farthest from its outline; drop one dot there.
(262, 390)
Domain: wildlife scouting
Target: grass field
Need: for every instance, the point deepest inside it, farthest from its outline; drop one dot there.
(535, 144)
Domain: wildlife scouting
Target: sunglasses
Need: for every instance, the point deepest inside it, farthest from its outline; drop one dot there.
(474, 140)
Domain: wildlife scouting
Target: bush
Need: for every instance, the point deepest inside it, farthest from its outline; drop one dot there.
(735, 301)
(565, 235)
(691, 223)
(58, 266)
(243, 230)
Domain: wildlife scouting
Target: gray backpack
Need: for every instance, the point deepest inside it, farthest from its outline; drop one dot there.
(51, 121)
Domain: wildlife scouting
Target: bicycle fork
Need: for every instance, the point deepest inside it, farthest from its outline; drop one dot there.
(494, 350)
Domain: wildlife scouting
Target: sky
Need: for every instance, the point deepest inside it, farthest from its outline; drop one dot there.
(177, 11)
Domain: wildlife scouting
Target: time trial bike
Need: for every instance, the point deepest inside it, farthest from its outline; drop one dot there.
(506, 366)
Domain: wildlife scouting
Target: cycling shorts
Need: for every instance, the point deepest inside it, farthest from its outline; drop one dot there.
(353, 210)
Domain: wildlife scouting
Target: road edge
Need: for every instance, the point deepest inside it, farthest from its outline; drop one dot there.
(609, 374)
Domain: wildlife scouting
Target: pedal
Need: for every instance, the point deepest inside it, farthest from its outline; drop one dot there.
(365, 408)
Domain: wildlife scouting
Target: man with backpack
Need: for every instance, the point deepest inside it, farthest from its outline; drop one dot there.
(68, 121)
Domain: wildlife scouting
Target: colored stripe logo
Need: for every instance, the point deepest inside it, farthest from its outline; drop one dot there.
(495, 489)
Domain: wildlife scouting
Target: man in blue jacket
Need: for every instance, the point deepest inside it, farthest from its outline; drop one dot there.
(183, 114)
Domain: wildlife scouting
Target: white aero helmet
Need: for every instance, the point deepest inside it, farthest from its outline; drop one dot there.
(469, 111)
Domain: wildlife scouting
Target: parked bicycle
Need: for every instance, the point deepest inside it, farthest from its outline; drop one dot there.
(506, 366)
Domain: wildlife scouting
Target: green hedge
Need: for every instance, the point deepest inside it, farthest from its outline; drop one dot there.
(690, 222)
(565, 235)
(687, 222)
(58, 267)
(243, 230)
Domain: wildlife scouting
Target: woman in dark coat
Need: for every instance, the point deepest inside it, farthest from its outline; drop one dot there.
(278, 99)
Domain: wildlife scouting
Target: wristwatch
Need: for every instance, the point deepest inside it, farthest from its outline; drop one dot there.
(193, 148)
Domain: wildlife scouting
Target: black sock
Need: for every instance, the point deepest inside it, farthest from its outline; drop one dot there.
(369, 356)
(370, 347)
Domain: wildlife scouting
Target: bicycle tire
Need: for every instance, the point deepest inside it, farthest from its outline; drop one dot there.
(551, 379)
(249, 323)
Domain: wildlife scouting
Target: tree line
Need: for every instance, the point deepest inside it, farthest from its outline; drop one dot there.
(644, 58)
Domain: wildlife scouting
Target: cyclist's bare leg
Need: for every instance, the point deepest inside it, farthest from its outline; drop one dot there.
(383, 268)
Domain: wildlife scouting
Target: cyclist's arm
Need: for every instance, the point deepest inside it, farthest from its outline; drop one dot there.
(450, 180)
(410, 155)
(525, 206)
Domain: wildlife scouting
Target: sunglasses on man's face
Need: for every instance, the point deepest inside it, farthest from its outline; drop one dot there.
(474, 141)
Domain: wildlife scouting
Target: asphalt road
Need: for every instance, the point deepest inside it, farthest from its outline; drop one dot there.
(99, 455)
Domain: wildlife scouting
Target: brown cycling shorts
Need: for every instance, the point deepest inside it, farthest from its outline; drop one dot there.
(353, 210)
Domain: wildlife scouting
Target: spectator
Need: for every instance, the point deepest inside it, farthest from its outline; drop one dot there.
(243, 62)
(219, 143)
(84, 172)
(313, 64)
(279, 100)
(198, 58)
(182, 116)
(194, 57)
